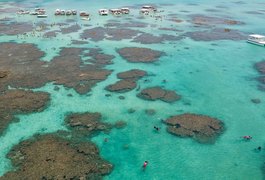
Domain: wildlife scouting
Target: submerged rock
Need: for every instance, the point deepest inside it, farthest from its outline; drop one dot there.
(143, 55)
(53, 157)
(157, 93)
(216, 34)
(199, 19)
(128, 81)
(260, 67)
(86, 123)
(120, 124)
(20, 101)
(132, 74)
(256, 101)
(15, 28)
(26, 70)
(202, 128)
(122, 86)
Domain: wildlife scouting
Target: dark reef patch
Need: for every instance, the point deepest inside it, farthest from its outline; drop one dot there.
(115, 33)
(130, 24)
(216, 34)
(202, 128)
(70, 29)
(100, 33)
(146, 38)
(128, 82)
(15, 28)
(51, 34)
(260, 67)
(204, 20)
(53, 157)
(79, 42)
(18, 102)
(122, 86)
(86, 124)
(27, 71)
(132, 74)
(157, 93)
(142, 55)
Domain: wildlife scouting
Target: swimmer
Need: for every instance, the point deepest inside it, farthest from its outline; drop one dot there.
(156, 128)
(247, 137)
(145, 164)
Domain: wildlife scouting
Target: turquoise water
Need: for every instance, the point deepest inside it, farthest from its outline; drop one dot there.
(213, 80)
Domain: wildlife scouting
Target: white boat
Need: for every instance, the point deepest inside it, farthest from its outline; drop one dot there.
(144, 11)
(115, 11)
(83, 14)
(125, 10)
(62, 12)
(256, 39)
(23, 12)
(103, 12)
(68, 12)
(57, 12)
(42, 16)
(150, 8)
(74, 12)
(34, 13)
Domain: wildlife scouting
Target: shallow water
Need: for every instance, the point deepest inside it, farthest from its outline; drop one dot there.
(214, 80)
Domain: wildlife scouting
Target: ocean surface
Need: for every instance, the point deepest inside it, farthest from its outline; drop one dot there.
(215, 78)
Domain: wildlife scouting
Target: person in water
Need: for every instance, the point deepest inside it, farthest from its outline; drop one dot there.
(145, 164)
(247, 137)
(156, 128)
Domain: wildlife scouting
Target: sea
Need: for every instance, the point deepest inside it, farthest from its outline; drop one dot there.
(216, 78)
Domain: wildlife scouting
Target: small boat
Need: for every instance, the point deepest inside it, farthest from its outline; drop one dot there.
(42, 16)
(256, 39)
(57, 12)
(22, 12)
(74, 12)
(150, 8)
(68, 12)
(125, 10)
(103, 12)
(40, 11)
(83, 14)
(144, 11)
(115, 11)
(63, 12)
(34, 13)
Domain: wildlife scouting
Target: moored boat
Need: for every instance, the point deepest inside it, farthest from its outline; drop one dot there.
(150, 8)
(103, 12)
(74, 12)
(34, 13)
(23, 12)
(144, 11)
(125, 10)
(57, 12)
(63, 12)
(68, 12)
(115, 11)
(83, 14)
(42, 16)
(256, 39)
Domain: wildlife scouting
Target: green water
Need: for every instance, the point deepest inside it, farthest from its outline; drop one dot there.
(217, 81)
